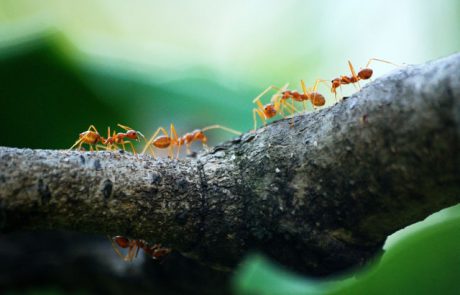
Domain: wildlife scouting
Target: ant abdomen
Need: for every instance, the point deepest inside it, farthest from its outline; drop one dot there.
(365, 73)
(162, 142)
(317, 99)
(121, 241)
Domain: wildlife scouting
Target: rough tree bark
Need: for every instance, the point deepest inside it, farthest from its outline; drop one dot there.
(319, 192)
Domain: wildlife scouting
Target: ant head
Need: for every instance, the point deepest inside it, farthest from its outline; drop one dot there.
(269, 110)
(132, 134)
(365, 73)
(286, 94)
(335, 83)
(199, 134)
(121, 241)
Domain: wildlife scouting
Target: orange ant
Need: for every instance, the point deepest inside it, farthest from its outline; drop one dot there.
(316, 98)
(270, 110)
(119, 138)
(90, 137)
(155, 251)
(172, 139)
(363, 74)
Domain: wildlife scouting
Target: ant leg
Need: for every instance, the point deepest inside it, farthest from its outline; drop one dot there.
(152, 151)
(92, 127)
(79, 142)
(275, 96)
(353, 73)
(137, 251)
(205, 146)
(131, 144)
(152, 138)
(291, 106)
(178, 150)
(221, 127)
(174, 135)
(123, 145)
(126, 128)
(100, 147)
(128, 255)
(380, 60)
(278, 100)
(116, 249)
(264, 92)
(132, 250)
(187, 148)
(261, 115)
(305, 92)
(325, 82)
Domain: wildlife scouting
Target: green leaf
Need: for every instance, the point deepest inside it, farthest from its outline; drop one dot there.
(424, 261)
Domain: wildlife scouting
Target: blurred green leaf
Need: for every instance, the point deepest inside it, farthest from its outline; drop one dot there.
(425, 261)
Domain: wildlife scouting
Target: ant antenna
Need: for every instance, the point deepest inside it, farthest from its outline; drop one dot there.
(223, 128)
(381, 60)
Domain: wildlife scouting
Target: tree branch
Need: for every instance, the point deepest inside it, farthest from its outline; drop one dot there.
(319, 192)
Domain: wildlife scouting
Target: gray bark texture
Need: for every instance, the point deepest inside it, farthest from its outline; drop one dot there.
(319, 192)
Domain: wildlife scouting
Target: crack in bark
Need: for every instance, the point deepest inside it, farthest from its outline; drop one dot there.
(203, 201)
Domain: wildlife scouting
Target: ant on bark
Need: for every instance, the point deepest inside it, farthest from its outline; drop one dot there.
(270, 110)
(119, 138)
(90, 137)
(316, 98)
(280, 98)
(172, 140)
(155, 251)
(363, 74)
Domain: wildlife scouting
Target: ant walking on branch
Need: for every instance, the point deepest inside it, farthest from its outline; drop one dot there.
(273, 108)
(363, 74)
(90, 137)
(155, 251)
(119, 138)
(316, 98)
(171, 140)
(279, 100)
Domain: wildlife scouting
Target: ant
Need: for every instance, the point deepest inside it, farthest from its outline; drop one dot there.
(119, 138)
(155, 251)
(172, 139)
(90, 137)
(270, 110)
(363, 74)
(316, 99)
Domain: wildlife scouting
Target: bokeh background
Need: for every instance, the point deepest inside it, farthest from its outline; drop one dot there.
(67, 64)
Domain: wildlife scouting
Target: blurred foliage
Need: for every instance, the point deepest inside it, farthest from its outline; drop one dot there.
(423, 261)
(47, 100)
